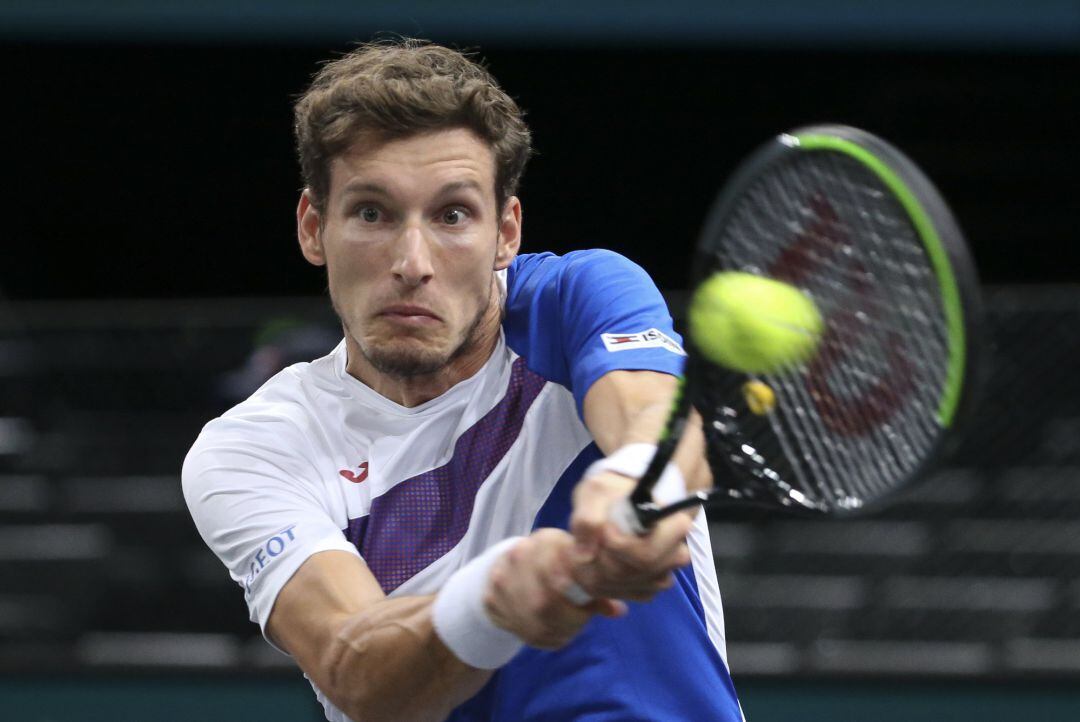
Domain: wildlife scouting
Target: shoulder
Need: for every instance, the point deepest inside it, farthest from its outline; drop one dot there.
(562, 312)
(276, 428)
(531, 269)
(285, 400)
(545, 291)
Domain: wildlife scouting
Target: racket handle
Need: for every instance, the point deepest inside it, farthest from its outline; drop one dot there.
(632, 517)
(576, 595)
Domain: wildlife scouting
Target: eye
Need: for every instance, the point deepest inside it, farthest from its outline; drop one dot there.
(369, 214)
(454, 216)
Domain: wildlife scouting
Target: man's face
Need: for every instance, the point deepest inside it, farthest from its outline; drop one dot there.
(411, 237)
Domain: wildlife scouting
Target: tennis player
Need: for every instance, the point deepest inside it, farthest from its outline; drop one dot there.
(411, 515)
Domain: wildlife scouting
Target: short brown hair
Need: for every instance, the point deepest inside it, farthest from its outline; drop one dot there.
(394, 89)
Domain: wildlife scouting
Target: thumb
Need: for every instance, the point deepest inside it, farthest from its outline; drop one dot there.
(593, 498)
(607, 607)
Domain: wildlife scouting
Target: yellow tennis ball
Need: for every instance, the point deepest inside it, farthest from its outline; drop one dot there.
(752, 324)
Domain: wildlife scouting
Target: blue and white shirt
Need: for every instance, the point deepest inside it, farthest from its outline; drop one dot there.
(315, 460)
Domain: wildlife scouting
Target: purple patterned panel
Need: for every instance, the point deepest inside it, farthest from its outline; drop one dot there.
(422, 518)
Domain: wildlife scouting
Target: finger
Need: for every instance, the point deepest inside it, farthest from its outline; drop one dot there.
(657, 551)
(562, 617)
(638, 592)
(574, 582)
(667, 534)
(561, 579)
(612, 608)
(597, 583)
(558, 621)
(594, 586)
(532, 577)
(593, 498)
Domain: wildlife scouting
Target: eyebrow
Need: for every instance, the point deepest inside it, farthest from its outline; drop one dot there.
(362, 187)
(459, 186)
(377, 189)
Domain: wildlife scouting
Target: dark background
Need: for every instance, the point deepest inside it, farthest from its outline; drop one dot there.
(166, 169)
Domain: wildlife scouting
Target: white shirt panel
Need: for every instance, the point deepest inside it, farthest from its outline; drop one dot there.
(258, 501)
(701, 558)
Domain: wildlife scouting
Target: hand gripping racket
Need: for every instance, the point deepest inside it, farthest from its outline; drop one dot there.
(851, 222)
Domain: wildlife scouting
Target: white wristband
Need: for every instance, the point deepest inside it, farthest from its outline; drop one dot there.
(461, 621)
(632, 460)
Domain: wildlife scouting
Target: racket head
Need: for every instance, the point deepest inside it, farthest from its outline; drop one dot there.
(855, 224)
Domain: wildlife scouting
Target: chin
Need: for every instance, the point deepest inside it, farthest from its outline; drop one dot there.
(404, 358)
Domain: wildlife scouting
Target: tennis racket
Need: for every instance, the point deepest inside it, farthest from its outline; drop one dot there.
(850, 221)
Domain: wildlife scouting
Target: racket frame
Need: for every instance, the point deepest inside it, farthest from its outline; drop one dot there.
(957, 281)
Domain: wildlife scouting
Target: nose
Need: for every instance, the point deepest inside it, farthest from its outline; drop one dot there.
(412, 256)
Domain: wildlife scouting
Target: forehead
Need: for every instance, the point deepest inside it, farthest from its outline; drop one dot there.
(416, 162)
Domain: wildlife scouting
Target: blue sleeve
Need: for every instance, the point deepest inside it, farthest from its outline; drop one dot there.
(576, 317)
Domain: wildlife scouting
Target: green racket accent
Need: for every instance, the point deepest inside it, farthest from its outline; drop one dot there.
(939, 258)
(675, 410)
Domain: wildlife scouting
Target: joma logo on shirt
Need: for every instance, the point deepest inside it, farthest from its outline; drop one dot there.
(356, 478)
(271, 548)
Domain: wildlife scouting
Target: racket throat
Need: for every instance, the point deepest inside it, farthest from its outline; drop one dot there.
(750, 479)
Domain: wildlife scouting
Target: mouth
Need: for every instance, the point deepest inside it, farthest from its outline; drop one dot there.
(410, 315)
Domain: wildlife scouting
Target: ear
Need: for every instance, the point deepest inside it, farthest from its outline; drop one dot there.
(308, 230)
(509, 240)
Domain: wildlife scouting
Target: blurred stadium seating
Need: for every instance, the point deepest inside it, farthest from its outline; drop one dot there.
(974, 573)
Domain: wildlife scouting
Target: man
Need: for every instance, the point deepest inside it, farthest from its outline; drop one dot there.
(396, 511)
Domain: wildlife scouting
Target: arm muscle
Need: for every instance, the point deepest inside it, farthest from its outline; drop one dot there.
(376, 658)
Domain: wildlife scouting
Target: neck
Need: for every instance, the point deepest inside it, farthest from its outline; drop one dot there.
(415, 390)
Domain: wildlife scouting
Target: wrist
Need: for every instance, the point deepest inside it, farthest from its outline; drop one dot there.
(462, 622)
(632, 460)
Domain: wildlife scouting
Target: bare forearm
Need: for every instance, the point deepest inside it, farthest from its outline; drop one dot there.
(379, 659)
(387, 663)
(627, 407)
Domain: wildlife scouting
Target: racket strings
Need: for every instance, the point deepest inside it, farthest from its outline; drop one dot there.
(889, 457)
(864, 467)
(906, 271)
(821, 459)
(857, 419)
(884, 271)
